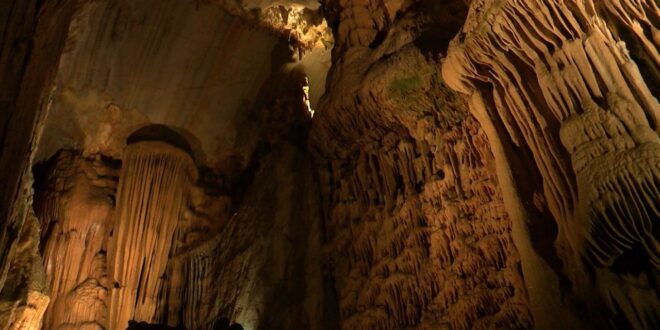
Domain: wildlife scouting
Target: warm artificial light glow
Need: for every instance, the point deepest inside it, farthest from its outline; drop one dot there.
(151, 194)
(306, 98)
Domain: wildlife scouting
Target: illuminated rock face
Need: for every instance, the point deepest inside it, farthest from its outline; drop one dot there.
(25, 75)
(473, 164)
(75, 205)
(418, 235)
(560, 86)
(300, 20)
(154, 183)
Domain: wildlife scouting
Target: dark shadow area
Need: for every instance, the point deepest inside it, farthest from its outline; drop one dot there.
(278, 113)
(647, 67)
(442, 21)
(224, 324)
(160, 133)
(221, 324)
(133, 325)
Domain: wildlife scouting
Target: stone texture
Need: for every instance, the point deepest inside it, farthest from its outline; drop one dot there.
(417, 231)
(558, 83)
(152, 194)
(75, 201)
(24, 298)
(33, 35)
(300, 20)
(471, 164)
(128, 65)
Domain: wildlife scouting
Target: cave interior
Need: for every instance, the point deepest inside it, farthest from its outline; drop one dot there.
(329, 164)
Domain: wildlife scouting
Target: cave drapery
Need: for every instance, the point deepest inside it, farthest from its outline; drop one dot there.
(470, 164)
(151, 196)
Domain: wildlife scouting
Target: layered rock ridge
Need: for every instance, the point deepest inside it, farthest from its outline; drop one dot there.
(569, 88)
(153, 190)
(473, 164)
(417, 233)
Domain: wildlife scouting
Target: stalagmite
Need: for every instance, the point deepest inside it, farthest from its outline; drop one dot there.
(155, 179)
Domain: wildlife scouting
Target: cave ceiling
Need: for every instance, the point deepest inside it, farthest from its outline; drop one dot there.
(195, 67)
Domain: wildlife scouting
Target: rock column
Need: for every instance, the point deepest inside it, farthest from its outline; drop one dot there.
(154, 182)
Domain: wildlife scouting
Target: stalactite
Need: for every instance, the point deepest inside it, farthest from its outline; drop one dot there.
(74, 204)
(197, 313)
(563, 79)
(155, 179)
(417, 235)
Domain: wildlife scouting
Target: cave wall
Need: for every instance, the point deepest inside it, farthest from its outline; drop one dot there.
(129, 64)
(560, 88)
(474, 164)
(153, 192)
(249, 250)
(74, 202)
(564, 95)
(242, 112)
(417, 232)
(33, 35)
(269, 275)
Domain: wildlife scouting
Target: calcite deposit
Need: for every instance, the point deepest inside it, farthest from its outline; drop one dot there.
(557, 82)
(155, 180)
(75, 202)
(329, 164)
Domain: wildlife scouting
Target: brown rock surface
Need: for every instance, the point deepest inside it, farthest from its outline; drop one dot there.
(33, 35)
(153, 187)
(558, 84)
(75, 203)
(417, 230)
(333, 164)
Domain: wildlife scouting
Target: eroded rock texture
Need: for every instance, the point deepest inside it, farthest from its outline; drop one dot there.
(75, 202)
(560, 85)
(246, 232)
(418, 236)
(24, 298)
(259, 278)
(152, 194)
(269, 274)
(33, 35)
(300, 20)
(482, 164)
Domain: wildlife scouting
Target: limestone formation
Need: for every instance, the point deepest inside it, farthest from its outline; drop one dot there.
(300, 20)
(558, 82)
(24, 298)
(153, 187)
(75, 203)
(329, 164)
(416, 224)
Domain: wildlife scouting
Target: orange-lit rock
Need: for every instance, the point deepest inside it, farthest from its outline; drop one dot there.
(417, 229)
(153, 189)
(75, 203)
(558, 84)
(329, 164)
